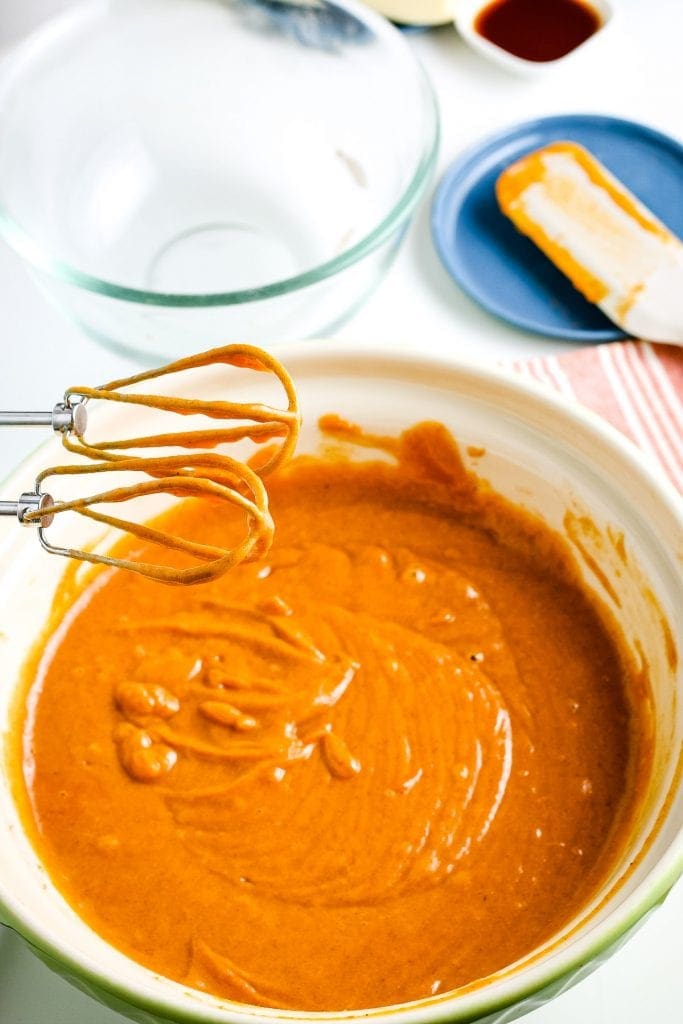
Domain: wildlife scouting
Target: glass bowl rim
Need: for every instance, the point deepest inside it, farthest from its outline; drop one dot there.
(46, 261)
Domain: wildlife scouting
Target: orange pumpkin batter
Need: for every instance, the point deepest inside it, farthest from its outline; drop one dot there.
(384, 762)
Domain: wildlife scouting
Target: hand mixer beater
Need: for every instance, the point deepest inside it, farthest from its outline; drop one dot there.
(200, 470)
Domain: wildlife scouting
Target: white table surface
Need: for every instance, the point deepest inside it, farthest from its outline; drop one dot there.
(633, 71)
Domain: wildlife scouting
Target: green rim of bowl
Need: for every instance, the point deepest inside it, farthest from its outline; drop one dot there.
(650, 893)
(444, 1013)
(43, 260)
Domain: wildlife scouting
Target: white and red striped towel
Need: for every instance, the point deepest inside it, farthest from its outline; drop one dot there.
(635, 385)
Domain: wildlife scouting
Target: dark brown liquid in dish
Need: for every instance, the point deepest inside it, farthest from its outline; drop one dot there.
(537, 30)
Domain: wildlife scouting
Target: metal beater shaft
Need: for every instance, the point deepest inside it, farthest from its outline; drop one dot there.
(64, 419)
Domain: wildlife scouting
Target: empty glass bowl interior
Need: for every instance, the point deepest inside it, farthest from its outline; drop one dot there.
(185, 172)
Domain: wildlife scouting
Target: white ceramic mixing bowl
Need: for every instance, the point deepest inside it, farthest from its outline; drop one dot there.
(540, 452)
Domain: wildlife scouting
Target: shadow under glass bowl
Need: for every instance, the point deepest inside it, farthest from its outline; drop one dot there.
(185, 174)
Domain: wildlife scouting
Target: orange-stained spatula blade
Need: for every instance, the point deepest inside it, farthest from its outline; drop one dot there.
(612, 248)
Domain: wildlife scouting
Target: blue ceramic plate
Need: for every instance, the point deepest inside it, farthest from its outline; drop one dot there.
(504, 271)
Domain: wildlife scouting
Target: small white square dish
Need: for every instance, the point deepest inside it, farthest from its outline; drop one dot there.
(527, 37)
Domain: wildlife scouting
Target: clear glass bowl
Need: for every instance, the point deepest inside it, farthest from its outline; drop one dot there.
(188, 173)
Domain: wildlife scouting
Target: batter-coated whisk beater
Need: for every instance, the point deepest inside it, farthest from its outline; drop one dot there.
(200, 471)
